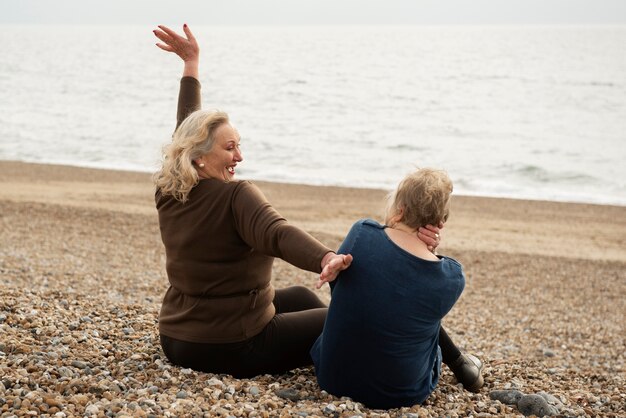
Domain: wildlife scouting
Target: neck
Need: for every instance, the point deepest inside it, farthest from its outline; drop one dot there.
(399, 226)
(406, 237)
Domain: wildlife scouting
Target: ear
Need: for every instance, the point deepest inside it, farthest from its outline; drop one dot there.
(397, 217)
(400, 215)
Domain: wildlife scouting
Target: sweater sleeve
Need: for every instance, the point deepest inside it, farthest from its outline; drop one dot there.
(189, 99)
(265, 230)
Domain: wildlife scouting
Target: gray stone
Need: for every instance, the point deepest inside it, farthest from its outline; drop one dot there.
(552, 400)
(254, 391)
(289, 393)
(329, 409)
(548, 353)
(507, 396)
(535, 405)
(79, 364)
(183, 395)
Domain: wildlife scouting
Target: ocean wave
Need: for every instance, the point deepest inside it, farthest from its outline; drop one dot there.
(544, 175)
(406, 147)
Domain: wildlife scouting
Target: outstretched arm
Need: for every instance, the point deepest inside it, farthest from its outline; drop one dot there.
(186, 47)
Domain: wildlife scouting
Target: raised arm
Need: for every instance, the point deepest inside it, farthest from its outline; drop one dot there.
(186, 47)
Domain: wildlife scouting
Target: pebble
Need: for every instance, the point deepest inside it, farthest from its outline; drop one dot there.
(329, 409)
(79, 364)
(215, 382)
(507, 396)
(289, 393)
(87, 342)
(551, 399)
(92, 410)
(535, 405)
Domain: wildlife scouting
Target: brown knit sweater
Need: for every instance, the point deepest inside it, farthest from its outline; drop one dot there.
(220, 246)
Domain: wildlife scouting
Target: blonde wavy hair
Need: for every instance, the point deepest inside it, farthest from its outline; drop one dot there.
(422, 198)
(193, 138)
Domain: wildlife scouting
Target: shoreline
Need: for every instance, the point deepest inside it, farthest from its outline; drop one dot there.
(82, 274)
(571, 230)
(295, 183)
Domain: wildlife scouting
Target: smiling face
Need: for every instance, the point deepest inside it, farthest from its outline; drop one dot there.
(221, 161)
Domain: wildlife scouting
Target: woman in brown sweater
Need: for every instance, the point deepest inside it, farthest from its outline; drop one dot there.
(221, 313)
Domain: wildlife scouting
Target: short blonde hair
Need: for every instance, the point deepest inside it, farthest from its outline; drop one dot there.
(422, 198)
(193, 138)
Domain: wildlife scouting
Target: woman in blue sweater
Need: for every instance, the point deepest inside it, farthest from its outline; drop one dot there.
(382, 343)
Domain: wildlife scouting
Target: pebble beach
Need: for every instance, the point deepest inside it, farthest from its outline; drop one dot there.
(82, 274)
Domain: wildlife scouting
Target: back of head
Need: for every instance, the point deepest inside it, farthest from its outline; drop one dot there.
(422, 198)
(192, 139)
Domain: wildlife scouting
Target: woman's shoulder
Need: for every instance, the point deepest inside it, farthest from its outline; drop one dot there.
(219, 189)
(368, 223)
(216, 184)
(452, 263)
(450, 260)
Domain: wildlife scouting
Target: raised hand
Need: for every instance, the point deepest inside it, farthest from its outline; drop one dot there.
(186, 47)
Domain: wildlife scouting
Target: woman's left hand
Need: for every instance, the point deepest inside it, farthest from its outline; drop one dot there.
(431, 236)
(334, 264)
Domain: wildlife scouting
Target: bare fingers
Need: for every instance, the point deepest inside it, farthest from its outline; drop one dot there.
(188, 33)
(329, 273)
(165, 39)
(169, 38)
(430, 236)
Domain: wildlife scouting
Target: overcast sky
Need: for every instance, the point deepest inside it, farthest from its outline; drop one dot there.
(297, 12)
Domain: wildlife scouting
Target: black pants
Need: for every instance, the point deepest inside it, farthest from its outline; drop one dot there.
(283, 345)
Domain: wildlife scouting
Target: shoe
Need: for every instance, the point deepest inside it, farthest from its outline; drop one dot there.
(467, 370)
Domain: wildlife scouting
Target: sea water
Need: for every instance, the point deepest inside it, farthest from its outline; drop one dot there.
(533, 112)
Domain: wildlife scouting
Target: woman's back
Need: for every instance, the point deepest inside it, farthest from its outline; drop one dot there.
(380, 339)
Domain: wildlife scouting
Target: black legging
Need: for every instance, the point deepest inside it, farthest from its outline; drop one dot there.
(449, 351)
(283, 344)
